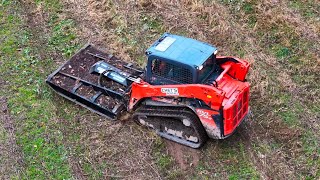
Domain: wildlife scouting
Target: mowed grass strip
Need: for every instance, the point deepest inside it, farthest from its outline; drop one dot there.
(226, 159)
(38, 131)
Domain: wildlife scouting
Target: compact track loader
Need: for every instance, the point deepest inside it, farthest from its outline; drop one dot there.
(185, 93)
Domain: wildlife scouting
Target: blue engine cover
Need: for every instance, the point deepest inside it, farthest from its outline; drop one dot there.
(181, 49)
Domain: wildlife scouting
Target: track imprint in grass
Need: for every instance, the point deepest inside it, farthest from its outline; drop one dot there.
(185, 157)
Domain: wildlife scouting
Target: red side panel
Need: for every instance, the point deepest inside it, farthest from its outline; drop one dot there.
(237, 70)
(236, 101)
(209, 94)
(232, 94)
(235, 104)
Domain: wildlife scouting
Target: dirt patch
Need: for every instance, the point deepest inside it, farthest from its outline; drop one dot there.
(284, 134)
(274, 144)
(113, 149)
(106, 101)
(10, 155)
(76, 168)
(86, 91)
(64, 82)
(184, 156)
(36, 18)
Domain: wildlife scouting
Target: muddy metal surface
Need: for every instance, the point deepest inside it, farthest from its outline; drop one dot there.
(79, 66)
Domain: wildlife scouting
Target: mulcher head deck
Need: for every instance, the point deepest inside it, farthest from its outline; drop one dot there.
(95, 80)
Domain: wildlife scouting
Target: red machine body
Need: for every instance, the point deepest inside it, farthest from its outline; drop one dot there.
(229, 100)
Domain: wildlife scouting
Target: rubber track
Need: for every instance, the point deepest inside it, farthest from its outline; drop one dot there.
(176, 112)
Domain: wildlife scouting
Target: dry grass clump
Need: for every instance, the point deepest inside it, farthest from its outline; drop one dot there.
(115, 149)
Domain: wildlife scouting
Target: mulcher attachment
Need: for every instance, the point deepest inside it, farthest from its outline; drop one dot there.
(76, 81)
(112, 73)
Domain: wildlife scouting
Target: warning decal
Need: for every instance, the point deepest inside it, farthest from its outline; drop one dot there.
(170, 91)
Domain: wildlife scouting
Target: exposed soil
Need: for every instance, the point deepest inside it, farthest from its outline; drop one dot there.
(86, 91)
(106, 101)
(76, 168)
(64, 82)
(184, 156)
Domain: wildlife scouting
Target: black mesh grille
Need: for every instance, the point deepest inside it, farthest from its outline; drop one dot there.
(171, 72)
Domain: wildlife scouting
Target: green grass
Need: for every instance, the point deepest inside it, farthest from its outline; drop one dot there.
(63, 36)
(229, 159)
(152, 24)
(240, 166)
(287, 109)
(309, 9)
(295, 56)
(38, 130)
(164, 161)
(93, 173)
(44, 141)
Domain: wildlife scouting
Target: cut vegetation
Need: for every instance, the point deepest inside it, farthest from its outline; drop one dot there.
(43, 136)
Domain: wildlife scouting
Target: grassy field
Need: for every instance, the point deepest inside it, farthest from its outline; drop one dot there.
(43, 136)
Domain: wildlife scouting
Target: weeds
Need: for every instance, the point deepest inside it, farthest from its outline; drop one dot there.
(308, 9)
(163, 160)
